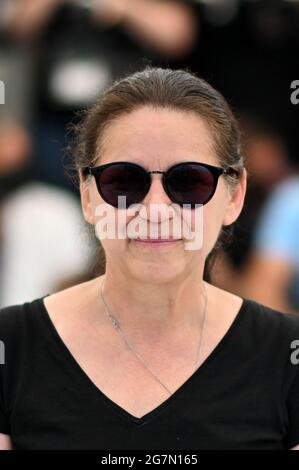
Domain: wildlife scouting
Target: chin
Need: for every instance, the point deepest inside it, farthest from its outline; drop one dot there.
(157, 272)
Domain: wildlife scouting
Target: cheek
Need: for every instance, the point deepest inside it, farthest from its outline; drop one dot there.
(110, 222)
(115, 250)
(90, 200)
(110, 229)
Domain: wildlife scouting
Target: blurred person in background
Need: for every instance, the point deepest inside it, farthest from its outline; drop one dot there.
(266, 153)
(43, 243)
(271, 275)
(78, 47)
(261, 260)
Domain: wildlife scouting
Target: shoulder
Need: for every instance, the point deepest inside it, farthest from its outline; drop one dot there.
(267, 318)
(10, 318)
(12, 338)
(258, 326)
(257, 320)
(267, 342)
(271, 333)
(20, 334)
(70, 305)
(23, 332)
(15, 320)
(21, 319)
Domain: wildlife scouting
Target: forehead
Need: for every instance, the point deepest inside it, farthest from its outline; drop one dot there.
(157, 136)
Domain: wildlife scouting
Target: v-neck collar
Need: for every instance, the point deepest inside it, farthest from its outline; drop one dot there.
(139, 421)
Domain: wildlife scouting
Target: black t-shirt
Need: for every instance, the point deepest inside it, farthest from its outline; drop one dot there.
(244, 396)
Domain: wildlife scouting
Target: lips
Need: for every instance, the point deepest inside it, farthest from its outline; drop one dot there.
(158, 240)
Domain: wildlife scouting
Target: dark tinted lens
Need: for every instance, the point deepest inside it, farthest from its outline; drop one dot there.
(123, 180)
(191, 184)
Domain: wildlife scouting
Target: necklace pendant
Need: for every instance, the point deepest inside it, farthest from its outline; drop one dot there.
(115, 323)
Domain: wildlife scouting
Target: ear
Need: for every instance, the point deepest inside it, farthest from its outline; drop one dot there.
(86, 202)
(237, 197)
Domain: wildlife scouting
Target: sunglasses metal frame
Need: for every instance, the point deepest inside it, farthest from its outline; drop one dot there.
(216, 172)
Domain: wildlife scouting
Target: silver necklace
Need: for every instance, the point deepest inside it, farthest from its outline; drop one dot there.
(117, 327)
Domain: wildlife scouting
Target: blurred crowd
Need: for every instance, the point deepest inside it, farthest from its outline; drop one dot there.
(57, 55)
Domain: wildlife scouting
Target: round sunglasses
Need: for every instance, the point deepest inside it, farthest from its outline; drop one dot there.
(189, 183)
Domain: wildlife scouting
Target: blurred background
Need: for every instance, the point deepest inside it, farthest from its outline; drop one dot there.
(57, 55)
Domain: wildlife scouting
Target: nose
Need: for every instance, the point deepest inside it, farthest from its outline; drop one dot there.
(157, 201)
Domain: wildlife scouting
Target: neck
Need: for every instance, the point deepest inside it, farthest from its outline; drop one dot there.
(154, 307)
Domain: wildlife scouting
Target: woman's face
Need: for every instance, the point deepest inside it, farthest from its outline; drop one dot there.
(158, 139)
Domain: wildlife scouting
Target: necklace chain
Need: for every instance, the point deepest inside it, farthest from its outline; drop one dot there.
(117, 327)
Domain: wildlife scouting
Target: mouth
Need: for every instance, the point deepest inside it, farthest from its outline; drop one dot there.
(159, 239)
(156, 242)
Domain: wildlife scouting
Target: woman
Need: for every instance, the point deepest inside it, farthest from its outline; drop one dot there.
(149, 355)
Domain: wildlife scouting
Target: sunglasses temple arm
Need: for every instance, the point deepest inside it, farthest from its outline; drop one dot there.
(86, 170)
(230, 170)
